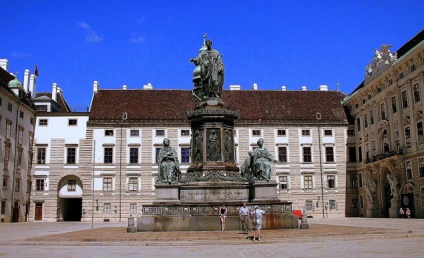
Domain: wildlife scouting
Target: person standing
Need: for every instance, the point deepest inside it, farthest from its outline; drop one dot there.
(408, 213)
(401, 212)
(257, 222)
(223, 216)
(244, 218)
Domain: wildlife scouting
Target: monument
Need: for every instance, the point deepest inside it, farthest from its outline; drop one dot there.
(192, 202)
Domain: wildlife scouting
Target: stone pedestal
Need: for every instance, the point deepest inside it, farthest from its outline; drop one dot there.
(264, 191)
(394, 208)
(166, 193)
(214, 192)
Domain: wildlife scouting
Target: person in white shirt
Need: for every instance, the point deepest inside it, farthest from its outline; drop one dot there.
(244, 218)
(257, 222)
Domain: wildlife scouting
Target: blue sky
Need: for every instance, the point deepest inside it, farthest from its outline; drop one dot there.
(271, 43)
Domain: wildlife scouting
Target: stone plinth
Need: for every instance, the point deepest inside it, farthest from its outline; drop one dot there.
(394, 208)
(167, 193)
(264, 191)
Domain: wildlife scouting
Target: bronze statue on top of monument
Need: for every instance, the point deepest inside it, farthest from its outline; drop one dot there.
(209, 72)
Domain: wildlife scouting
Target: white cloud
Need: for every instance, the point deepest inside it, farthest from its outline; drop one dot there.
(137, 40)
(92, 36)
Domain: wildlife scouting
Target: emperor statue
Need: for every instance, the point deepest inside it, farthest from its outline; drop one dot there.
(209, 72)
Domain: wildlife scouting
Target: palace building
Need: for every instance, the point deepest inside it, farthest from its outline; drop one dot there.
(17, 124)
(385, 168)
(103, 163)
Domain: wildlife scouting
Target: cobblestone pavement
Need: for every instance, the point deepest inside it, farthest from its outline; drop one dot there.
(348, 237)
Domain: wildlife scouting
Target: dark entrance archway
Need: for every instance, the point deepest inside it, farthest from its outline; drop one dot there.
(71, 209)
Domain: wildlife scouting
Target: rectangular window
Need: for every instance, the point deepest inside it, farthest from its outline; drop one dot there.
(309, 205)
(281, 132)
(107, 184)
(350, 132)
(72, 122)
(401, 75)
(39, 184)
(359, 153)
(133, 155)
(133, 184)
(404, 99)
(383, 111)
(6, 156)
(185, 155)
(108, 132)
(17, 185)
(306, 132)
(135, 132)
(329, 154)
(160, 132)
(8, 129)
(413, 67)
(9, 106)
(394, 108)
(5, 182)
(307, 182)
(408, 137)
(3, 207)
(283, 182)
(282, 154)
(421, 167)
(157, 150)
(71, 155)
(420, 133)
(185, 132)
(332, 204)
(43, 122)
(371, 117)
(20, 135)
(256, 132)
(352, 154)
(21, 114)
(328, 132)
(307, 157)
(365, 120)
(331, 181)
(41, 155)
(360, 179)
(108, 155)
(107, 207)
(72, 185)
(408, 168)
(353, 181)
(133, 208)
(417, 96)
(41, 108)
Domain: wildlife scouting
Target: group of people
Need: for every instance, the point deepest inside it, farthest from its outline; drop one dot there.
(245, 214)
(405, 213)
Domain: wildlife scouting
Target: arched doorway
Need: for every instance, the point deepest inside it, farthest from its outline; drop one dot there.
(70, 199)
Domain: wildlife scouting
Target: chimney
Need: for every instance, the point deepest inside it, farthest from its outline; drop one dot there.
(33, 85)
(4, 63)
(59, 91)
(96, 87)
(54, 92)
(148, 86)
(255, 86)
(26, 80)
(235, 87)
(124, 87)
(323, 87)
(283, 88)
(303, 87)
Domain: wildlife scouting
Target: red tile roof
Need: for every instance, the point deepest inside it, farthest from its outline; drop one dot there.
(254, 106)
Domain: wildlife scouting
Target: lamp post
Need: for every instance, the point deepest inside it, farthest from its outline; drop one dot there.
(318, 116)
(123, 118)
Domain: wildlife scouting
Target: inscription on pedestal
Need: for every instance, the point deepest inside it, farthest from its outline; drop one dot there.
(214, 194)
